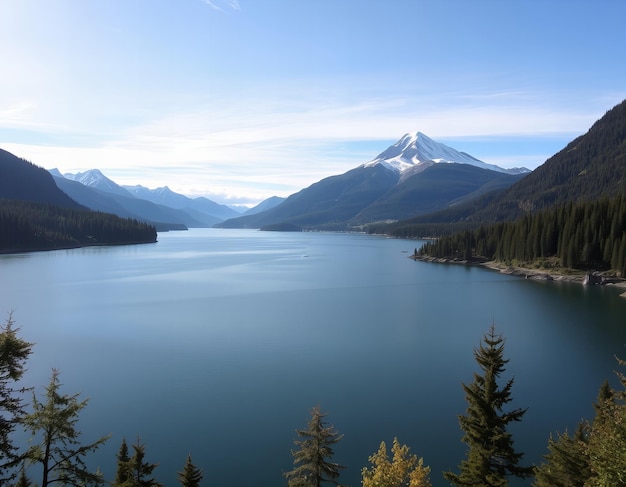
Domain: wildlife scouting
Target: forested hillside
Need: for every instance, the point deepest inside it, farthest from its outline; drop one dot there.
(589, 235)
(26, 226)
(590, 167)
(22, 180)
(36, 215)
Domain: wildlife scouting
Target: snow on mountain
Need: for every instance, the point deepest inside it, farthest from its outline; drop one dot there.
(95, 179)
(416, 149)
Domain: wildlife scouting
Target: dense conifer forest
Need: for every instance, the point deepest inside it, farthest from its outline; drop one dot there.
(589, 235)
(36, 215)
(27, 226)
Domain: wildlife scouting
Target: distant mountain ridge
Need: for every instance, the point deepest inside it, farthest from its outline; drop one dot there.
(413, 176)
(165, 196)
(161, 207)
(95, 179)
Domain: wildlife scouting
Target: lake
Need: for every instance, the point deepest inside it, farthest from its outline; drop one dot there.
(219, 342)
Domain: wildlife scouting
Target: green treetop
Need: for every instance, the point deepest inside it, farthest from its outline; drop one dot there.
(312, 459)
(491, 456)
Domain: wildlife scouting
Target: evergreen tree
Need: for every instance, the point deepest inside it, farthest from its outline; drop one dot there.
(491, 457)
(190, 475)
(403, 470)
(136, 471)
(606, 448)
(23, 480)
(13, 355)
(121, 474)
(312, 459)
(55, 439)
(566, 463)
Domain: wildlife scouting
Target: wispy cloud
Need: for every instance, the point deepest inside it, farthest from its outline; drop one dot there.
(247, 150)
(223, 5)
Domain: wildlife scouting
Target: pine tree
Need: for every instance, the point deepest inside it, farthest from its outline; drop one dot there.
(190, 475)
(121, 474)
(23, 480)
(403, 470)
(136, 470)
(566, 463)
(55, 439)
(491, 457)
(13, 355)
(312, 459)
(606, 448)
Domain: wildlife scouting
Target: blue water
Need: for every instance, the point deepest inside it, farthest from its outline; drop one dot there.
(219, 342)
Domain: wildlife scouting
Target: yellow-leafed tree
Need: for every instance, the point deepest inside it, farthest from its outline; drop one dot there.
(402, 470)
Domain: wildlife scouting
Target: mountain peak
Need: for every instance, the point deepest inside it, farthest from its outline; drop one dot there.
(96, 179)
(415, 149)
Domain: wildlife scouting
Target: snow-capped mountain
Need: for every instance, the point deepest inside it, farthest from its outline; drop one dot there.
(163, 207)
(414, 176)
(416, 149)
(95, 179)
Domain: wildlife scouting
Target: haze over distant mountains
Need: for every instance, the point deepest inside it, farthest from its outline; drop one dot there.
(162, 207)
(416, 175)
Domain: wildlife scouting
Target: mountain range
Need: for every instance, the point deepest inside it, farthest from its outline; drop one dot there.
(413, 181)
(161, 207)
(414, 176)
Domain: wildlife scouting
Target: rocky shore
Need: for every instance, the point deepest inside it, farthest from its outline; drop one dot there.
(557, 274)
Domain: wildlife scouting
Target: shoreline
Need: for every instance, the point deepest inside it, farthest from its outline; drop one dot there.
(556, 275)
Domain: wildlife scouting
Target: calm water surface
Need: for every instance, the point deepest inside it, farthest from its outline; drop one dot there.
(218, 343)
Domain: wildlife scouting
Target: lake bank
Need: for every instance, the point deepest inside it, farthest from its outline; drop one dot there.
(555, 274)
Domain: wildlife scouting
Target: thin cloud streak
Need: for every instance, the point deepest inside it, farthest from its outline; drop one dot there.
(236, 155)
(276, 141)
(232, 4)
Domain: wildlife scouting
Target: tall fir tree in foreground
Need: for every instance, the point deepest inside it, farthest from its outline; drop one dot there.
(491, 457)
(190, 475)
(403, 470)
(313, 465)
(13, 355)
(606, 446)
(55, 441)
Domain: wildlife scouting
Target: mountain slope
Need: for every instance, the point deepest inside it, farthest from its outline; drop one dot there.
(591, 166)
(95, 179)
(165, 196)
(36, 215)
(413, 176)
(162, 217)
(22, 180)
(162, 207)
(264, 205)
(437, 186)
(333, 199)
(416, 149)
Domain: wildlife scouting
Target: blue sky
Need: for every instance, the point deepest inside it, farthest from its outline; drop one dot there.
(239, 100)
